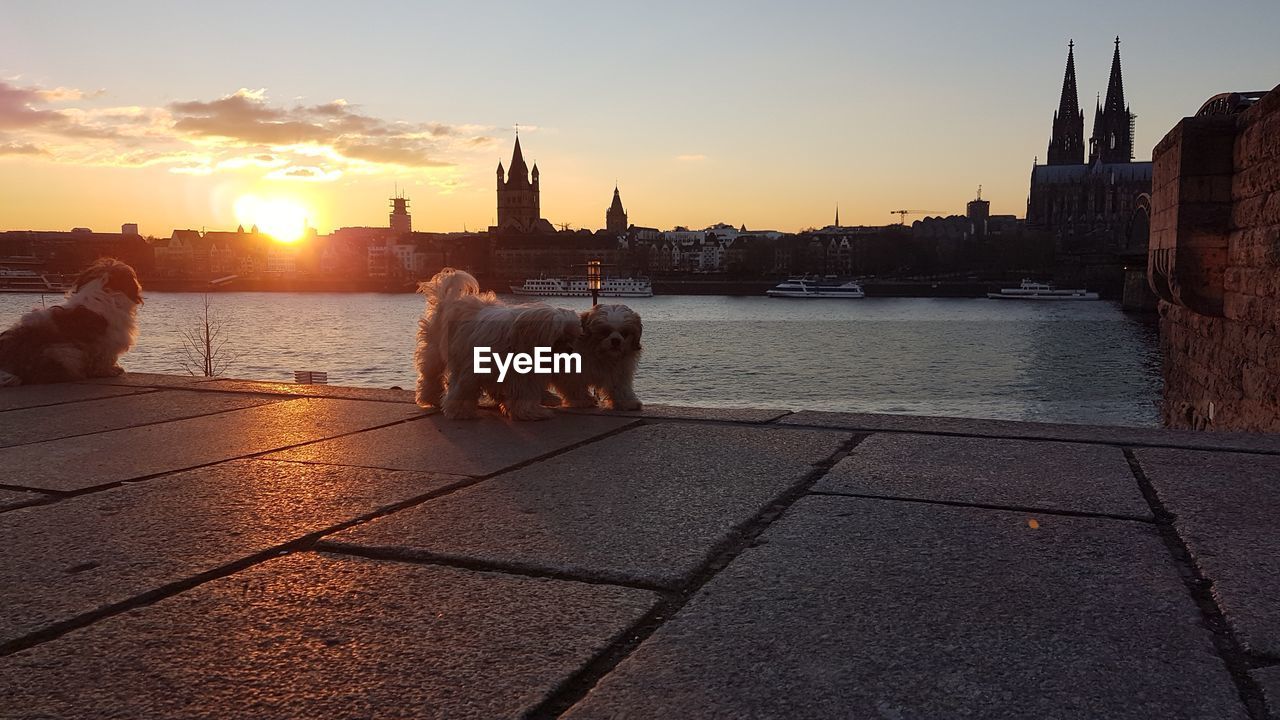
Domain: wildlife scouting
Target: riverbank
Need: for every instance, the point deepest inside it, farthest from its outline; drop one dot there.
(179, 547)
(661, 286)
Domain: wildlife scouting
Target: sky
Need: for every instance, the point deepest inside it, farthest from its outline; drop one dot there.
(764, 114)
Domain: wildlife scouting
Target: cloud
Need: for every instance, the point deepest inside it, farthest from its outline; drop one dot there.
(691, 158)
(306, 174)
(243, 131)
(21, 149)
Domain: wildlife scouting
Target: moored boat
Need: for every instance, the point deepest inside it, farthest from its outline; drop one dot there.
(807, 287)
(579, 287)
(1032, 290)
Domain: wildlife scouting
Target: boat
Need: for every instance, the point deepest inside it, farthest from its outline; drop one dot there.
(807, 287)
(578, 287)
(29, 281)
(1032, 290)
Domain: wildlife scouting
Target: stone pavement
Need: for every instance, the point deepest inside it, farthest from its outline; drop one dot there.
(183, 548)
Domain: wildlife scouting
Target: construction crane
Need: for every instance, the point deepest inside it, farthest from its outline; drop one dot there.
(902, 214)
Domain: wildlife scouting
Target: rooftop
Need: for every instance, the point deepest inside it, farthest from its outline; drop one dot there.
(182, 547)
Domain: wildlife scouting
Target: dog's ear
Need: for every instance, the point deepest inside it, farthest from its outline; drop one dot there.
(88, 275)
(122, 279)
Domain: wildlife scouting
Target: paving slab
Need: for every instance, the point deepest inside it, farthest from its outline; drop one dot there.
(18, 427)
(82, 553)
(313, 636)
(27, 396)
(329, 391)
(92, 460)
(1226, 507)
(645, 506)
(1018, 473)
(151, 380)
(17, 498)
(1268, 680)
(884, 609)
(681, 412)
(459, 447)
(1255, 442)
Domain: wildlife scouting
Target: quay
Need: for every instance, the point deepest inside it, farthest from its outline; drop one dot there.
(187, 547)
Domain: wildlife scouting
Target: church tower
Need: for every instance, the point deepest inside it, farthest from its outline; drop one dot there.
(518, 206)
(401, 222)
(615, 218)
(1066, 145)
(1112, 140)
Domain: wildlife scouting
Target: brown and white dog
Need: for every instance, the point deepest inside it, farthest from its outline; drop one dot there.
(83, 337)
(458, 319)
(610, 349)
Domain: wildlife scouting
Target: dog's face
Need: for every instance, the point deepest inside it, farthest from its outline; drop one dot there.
(116, 277)
(611, 331)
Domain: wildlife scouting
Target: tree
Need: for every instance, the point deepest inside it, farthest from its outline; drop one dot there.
(204, 344)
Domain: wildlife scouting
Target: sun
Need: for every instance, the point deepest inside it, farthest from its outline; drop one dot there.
(284, 220)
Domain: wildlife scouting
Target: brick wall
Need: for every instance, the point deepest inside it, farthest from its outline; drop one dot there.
(1216, 265)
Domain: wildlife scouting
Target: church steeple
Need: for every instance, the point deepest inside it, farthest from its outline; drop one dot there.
(1066, 144)
(1112, 140)
(837, 215)
(615, 218)
(518, 172)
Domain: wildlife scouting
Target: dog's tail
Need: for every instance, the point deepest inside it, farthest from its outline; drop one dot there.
(449, 284)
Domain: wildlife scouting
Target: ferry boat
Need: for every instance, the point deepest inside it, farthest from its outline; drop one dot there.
(578, 287)
(1032, 290)
(806, 287)
(29, 281)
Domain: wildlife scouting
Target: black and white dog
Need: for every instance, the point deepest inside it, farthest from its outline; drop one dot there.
(82, 338)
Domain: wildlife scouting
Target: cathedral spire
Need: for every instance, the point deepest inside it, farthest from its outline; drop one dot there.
(1066, 144)
(1115, 86)
(1112, 140)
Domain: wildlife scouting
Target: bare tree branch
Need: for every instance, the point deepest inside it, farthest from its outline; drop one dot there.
(205, 343)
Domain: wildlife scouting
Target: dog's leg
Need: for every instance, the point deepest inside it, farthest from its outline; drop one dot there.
(461, 400)
(522, 400)
(623, 397)
(576, 395)
(430, 379)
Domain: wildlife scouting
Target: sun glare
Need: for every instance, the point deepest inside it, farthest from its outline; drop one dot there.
(283, 220)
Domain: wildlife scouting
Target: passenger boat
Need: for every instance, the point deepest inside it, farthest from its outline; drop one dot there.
(1031, 290)
(29, 281)
(807, 287)
(578, 287)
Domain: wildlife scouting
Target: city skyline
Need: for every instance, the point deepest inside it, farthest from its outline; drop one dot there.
(749, 116)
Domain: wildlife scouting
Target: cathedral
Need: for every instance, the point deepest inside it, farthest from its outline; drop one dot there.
(1090, 208)
(518, 203)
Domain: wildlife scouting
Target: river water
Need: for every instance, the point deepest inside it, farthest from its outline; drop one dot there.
(1076, 362)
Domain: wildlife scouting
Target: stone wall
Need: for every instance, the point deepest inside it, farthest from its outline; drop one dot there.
(1215, 262)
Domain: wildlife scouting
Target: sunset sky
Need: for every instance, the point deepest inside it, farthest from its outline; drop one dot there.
(767, 114)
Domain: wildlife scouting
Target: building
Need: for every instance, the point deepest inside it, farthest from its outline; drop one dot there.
(615, 218)
(1089, 209)
(401, 223)
(519, 204)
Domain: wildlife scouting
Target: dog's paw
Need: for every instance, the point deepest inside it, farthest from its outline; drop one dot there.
(628, 404)
(550, 399)
(115, 371)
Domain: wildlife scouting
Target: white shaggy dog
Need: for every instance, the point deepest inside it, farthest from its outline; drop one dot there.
(460, 318)
(81, 338)
(610, 349)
